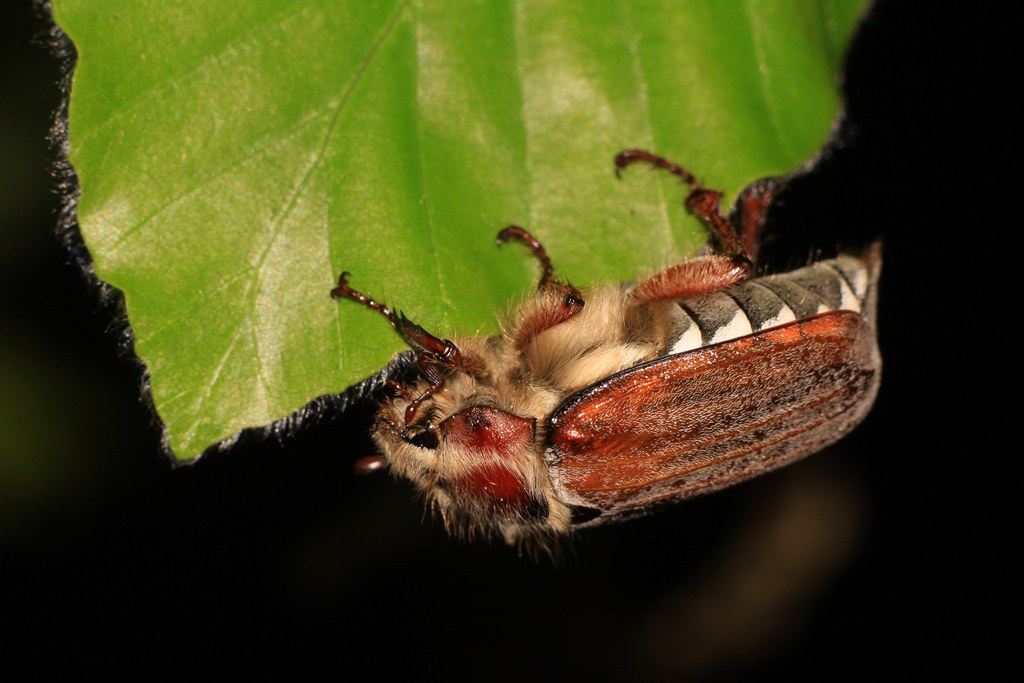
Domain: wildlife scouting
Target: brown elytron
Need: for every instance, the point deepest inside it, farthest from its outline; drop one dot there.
(716, 416)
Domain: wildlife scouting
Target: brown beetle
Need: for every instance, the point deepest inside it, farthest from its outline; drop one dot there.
(598, 404)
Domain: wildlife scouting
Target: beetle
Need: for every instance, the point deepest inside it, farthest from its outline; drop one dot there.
(600, 404)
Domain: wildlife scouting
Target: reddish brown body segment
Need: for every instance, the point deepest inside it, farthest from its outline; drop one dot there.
(696, 422)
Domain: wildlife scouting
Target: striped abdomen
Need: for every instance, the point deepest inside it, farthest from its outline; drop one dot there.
(846, 283)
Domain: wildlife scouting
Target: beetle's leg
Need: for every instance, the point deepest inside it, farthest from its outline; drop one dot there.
(693, 278)
(514, 232)
(433, 372)
(702, 202)
(557, 301)
(753, 209)
(737, 248)
(553, 305)
(433, 355)
(343, 290)
(571, 301)
(631, 156)
(441, 351)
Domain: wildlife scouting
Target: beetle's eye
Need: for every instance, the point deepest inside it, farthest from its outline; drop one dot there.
(427, 439)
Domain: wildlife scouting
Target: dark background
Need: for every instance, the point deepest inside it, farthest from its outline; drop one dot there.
(885, 556)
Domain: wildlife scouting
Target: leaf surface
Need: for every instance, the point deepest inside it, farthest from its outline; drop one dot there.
(234, 158)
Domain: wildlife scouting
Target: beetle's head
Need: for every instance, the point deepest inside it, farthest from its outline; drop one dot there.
(474, 448)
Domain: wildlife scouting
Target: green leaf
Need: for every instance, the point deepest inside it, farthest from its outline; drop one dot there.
(235, 157)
